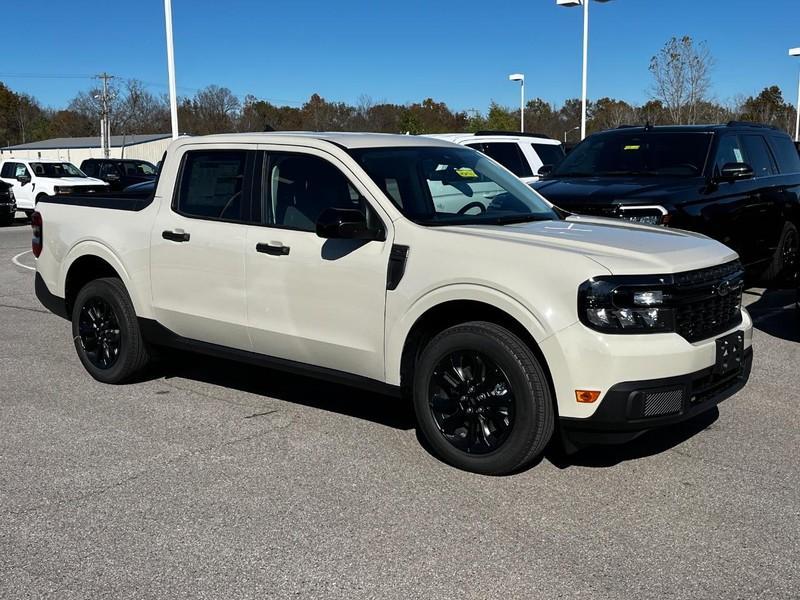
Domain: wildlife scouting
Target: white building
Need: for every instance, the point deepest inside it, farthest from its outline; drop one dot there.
(149, 147)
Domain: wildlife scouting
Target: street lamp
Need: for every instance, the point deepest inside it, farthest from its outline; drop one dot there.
(521, 78)
(796, 52)
(570, 131)
(585, 4)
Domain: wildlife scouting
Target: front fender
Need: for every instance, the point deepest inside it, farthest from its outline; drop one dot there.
(398, 331)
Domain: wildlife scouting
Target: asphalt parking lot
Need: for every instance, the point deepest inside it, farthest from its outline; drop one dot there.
(215, 480)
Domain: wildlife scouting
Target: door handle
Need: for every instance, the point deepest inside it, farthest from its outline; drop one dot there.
(273, 248)
(175, 236)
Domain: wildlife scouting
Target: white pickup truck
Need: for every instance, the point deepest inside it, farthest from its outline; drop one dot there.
(325, 254)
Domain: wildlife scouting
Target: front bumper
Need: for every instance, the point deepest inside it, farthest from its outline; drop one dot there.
(622, 416)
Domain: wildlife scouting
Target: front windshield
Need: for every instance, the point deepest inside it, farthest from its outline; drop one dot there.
(620, 153)
(451, 186)
(62, 169)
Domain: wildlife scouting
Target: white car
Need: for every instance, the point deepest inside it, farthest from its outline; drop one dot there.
(326, 254)
(34, 179)
(524, 154)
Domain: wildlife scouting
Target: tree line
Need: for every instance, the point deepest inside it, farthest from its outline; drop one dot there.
(681, 80)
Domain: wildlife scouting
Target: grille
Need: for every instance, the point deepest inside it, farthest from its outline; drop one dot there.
(663, 403)
(708, 301)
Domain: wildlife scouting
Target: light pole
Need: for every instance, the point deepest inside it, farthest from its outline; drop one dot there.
(521, 78)
(173, 98)
(796, 52)
(570, 131)
(585, 4)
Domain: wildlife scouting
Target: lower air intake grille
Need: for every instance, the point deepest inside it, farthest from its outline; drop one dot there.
(663, 403)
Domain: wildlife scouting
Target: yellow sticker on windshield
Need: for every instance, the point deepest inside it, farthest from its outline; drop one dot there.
(632, 147)
(467, 173)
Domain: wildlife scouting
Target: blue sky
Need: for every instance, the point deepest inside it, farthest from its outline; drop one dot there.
(399, 51)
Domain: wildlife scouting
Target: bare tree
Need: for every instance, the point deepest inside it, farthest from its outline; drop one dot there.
(682, 77)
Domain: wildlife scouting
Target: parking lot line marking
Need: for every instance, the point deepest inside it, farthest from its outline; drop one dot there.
(15, 260)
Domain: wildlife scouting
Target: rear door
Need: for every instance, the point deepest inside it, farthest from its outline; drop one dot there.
(313, 300)
(197, 262)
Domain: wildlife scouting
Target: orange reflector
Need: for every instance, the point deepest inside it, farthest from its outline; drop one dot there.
(586, 396)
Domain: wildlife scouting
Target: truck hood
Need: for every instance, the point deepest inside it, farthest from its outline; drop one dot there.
(621, 247)
(578, 192)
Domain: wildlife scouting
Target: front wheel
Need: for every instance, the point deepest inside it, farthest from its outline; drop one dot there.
(106, 332)
(482, 400)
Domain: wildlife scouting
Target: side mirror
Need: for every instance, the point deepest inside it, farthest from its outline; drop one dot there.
(735, 171)
(545, 170)
(24, 179)
(346, 224)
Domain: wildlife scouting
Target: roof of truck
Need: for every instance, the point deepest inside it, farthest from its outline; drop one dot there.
(342, 139)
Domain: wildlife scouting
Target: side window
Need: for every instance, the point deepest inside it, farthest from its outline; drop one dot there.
(89, 167)
(7, 170)
(550, 154)
(729, 151)
(786, 154)
(755, 146)
(298, 188)
(507, 154)
(107, 169)
(212, 183)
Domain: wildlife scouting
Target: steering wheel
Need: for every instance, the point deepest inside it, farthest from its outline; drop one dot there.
(463, 210)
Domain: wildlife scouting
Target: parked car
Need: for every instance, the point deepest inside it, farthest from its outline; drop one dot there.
(325, 254)
(120, 173)
(8, 205)
(34, 179)
(144, 188)
(737, 183)
(521, 153)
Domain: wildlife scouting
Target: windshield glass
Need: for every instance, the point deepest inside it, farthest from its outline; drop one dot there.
(451, 186)
(649, 153)
(63, 169)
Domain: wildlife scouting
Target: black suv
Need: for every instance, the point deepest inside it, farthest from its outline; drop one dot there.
(119, 173)
(737, 183)
(8, 206)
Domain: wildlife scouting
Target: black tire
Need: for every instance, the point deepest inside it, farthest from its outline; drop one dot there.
(512, 436)
(785, 260)
(101, 308)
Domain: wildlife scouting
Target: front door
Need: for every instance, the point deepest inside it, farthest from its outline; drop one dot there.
(311, 300)
(197, 262)
(23, 190)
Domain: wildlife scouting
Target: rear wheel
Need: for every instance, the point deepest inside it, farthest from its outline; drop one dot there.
(785, 261)
(106, 332)
(482, 400)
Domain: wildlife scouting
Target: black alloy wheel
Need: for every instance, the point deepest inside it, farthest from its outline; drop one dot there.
(472, 402)
(99, 332)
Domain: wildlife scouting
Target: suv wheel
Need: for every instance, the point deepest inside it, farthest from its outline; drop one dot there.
(482, 400)
(106, 332)
(786, 256)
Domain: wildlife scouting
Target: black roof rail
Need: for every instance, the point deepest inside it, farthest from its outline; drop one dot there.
(517, 133)
(750, 124)
(626, 126)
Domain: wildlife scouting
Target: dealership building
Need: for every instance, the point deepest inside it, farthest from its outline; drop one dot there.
(149, 147)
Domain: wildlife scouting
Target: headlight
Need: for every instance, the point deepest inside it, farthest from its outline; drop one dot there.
(60, 189)
(626, 304)
(647, 215)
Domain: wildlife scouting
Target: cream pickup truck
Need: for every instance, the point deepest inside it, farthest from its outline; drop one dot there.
(408, 265)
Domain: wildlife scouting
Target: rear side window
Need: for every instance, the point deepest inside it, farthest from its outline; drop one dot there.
(549, 154)
(786, 154)
(507, 154)
(755, 146)
(212, 185)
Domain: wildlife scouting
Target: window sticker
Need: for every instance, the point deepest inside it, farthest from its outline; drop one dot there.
(632, 147)
(467, 173)
(737, 152)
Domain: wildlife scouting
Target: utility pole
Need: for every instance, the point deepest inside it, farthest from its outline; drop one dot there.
(105, 122)
(173, 95)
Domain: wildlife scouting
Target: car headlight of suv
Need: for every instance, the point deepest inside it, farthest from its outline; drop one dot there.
(626, 304)
(646, 215)
(61, 189)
